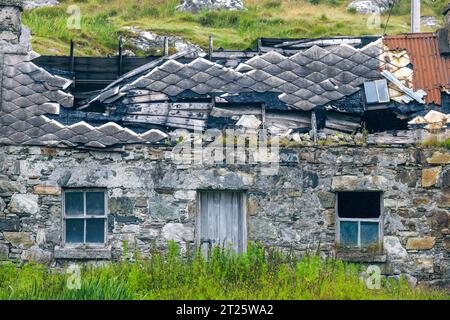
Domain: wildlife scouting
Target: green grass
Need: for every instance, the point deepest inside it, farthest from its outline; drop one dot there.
(102, 22)
(259, 274)
(436, 143)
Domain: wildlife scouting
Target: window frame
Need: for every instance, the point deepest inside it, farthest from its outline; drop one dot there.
(376, 84)
(85, 217)
(379, 220)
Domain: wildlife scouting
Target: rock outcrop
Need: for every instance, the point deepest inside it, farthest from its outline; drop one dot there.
(33, 4)
(200, 5)
(371, 6)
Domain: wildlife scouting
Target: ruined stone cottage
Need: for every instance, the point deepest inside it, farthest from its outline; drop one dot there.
(87, 173)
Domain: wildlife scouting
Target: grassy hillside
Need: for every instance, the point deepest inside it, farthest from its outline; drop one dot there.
(103, 20)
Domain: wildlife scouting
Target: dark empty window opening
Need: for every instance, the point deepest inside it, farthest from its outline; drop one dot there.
(358, 219)
(383, 120)
(84, 214)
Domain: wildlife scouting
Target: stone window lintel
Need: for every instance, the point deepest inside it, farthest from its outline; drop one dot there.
(83, 253)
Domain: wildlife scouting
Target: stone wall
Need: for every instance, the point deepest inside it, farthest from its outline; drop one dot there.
(152, 200)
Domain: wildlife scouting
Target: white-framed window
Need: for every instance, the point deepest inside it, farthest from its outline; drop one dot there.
(358, 216)
(377, 91)
(84, 216)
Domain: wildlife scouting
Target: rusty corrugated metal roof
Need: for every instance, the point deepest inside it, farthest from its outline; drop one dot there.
(431, 70)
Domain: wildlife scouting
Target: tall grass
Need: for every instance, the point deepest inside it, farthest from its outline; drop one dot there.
(258, 274)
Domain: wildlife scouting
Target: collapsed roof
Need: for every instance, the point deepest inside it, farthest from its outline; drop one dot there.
(300, 84)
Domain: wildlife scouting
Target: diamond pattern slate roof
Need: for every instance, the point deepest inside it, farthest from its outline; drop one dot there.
(308, 79)
(28, 94)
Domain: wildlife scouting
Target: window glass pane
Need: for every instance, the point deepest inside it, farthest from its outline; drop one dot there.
(383, 91)
(369, 233)
(74, 203)
(349, 233)
(95, 203)
(95, 230)
(359, 205)
(74, 230)
(371, 92)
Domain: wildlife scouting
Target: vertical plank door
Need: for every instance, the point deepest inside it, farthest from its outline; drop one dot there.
(222, 219)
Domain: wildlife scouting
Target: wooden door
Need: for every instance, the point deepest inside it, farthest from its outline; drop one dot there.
(222, 220)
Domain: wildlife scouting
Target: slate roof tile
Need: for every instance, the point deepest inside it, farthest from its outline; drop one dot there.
(201, 77)
(200, 64)
(304, 94)
(303, 81)
(273, 57)
(186, 84)
(301, 59)
(288, 87)
(316, 66)
(158, 86)
(304, 105)
(288, 76)
(316, 77)
(332, 95)
(287, 65)
(331, 59)
(344, 51)
(301, 71)
(274, 69)
(346, 65)
(174, 90)
(274, 82)
(316, 53)
(172, 79)
(171, 66)
(257, 63)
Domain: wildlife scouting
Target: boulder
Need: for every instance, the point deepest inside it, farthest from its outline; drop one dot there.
(423, 243)
(148, 41)
(22, 240)
(261, 230)
(33, 4)
(439, 158)
(161, 210)
(430, 177)
(438, 220)
(8, 187)
(429, 21)
(2, 205)
(47, 190)
(200, 5)
(121, 206)
(24, 204)
(178, 232)
(327, 199)
(424, 265)
(36, 254)
(185, 195)
(365, 183)
(394, 249)
(370, 6)
(4, 251)
(9, 224)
